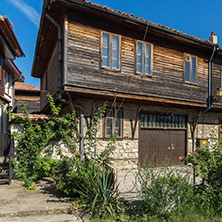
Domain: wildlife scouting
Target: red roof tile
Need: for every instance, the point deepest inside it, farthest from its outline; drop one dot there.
(144, 20)
(24, 86)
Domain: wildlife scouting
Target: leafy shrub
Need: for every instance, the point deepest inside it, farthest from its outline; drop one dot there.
(34, 139)
(164, 190)
(208, 166)
(44, 166)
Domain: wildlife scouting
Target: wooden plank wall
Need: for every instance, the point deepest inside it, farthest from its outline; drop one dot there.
(50, 79)
(168, 68)
(216, 80)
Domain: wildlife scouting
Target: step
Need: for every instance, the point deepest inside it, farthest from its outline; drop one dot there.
(37, 211)
(3, 175)
(44, 218)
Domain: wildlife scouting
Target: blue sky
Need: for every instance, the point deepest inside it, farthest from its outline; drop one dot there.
(194, 17)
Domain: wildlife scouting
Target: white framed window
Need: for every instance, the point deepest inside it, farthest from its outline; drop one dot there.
(190, 69)
(143, 58)
(110, 51)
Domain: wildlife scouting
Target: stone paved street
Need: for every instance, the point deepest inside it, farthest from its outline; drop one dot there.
(43, 204)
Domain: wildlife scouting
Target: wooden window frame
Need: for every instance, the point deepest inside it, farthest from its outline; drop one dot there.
(110, 51)
(113, 122)
(143, 59)
(185, 60)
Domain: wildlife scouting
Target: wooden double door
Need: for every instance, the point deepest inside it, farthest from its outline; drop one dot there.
(161, 145)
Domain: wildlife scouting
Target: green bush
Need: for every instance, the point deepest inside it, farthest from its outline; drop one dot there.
(164, 190)
(208, 166)
(44, 167)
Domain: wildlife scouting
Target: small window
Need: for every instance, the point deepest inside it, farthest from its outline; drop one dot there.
(190, 69)
(144, 58)
(110, 51)
(113, 122)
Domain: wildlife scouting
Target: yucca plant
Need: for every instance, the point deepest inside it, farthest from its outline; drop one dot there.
(100, 194)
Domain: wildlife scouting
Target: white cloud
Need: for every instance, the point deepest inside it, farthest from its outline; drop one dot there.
(29, 11)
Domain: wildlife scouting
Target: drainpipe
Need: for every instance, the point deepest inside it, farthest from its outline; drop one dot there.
(209, 104)
(60, 50)
(81, 145)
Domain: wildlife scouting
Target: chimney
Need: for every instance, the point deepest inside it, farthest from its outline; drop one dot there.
(213, 37)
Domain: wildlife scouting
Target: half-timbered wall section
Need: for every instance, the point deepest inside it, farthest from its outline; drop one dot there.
(167, 79)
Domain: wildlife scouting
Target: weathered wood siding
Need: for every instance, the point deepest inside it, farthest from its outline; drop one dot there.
(50, 79)
(216, 81)
(167, 79)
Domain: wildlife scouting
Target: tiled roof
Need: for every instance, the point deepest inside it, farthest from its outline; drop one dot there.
(144, 20)
(24, 86)
(32, 117)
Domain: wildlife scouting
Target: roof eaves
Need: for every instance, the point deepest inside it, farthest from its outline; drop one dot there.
(10, 26)
(140, 21)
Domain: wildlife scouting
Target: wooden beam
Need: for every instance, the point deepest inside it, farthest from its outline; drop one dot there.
(130, 96)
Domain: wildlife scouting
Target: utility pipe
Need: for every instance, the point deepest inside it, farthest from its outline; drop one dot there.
(209, 104)
(81, 128)
(60, 50)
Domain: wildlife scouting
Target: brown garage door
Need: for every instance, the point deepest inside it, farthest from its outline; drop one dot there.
(159, 141)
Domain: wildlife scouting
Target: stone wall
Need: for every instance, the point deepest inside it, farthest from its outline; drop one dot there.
(126, 152)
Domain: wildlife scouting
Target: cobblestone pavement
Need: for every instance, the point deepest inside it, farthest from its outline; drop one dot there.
(43, 204)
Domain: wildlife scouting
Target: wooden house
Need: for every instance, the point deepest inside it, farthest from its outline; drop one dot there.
(159, 84)
(9, 72)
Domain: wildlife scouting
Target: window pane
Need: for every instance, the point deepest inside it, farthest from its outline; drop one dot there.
(146, 120)
(117, 126)
(170, 121)
(187, 71)
(115, 52)
(109, 113)
(105, 49)
(187, 58)
(142, 118)
(194, 69)
(154, 120)
(139, 57)
(150, 120)
(148, 59)
(108, 127)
